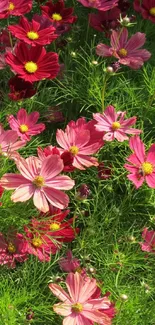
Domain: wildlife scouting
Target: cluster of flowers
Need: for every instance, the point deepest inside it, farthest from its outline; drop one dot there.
(25, 53)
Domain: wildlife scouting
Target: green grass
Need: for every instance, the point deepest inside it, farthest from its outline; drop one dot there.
(116, 212)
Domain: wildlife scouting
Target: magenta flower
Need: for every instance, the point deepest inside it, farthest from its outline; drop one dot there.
(9, 143)
(103, 5)
(40, 180)
(149, 244)
(105, 21)
(142, 165)
(25, 124)
(126, 51)
(12, 249)
(78, 307)
(69, 263)
(81, 140)
(114, 124)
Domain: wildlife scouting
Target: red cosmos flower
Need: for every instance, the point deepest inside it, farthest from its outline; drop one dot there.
(33, 64)
(57, 13)
(55, 226)
(146, 8)
(104, 172)
(46, 233)
(16, 8)
(20, 89)
(4, 40)
(104, 21)
(12, 249)
(103, 5)
(66, 156)
(34, 33)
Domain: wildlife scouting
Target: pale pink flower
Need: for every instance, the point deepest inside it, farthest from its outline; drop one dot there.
(9, 143)
(126, 51)
(142, 165)
(149, 244)
(102, 5)
(40, 180)
(69, 263)
(77, 305)
(81, 140)
(25, 124)
(114, 124)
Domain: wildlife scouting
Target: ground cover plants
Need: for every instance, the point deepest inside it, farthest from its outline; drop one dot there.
(77, 157)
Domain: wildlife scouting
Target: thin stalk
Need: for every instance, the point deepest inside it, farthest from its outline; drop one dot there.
(103, 90)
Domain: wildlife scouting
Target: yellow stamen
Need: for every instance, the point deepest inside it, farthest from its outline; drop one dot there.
(36, 242)
(39, 181)
(23, 128)
(31, 67)
(123, 52)
(147, 168)
(32, 35)
(74, 150)
(54, 226)
(11, 248)
(116, 126)
(78, 269)
(56, 17)
(11, 6)
(77, 308)
(152, 11)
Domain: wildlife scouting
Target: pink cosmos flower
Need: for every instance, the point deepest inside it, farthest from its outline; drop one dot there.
(114, 124)
(77, 305)
(146, 8)
(142, 165)
(69, 263)
(81, 140)
(9, 142)
(40, 180)
(103, 5)
(126, 51)
(12, 249)
(25, 124)
(149, 244)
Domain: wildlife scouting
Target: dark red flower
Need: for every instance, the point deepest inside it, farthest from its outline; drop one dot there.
(66, 156)
(58, 13)
(35, 32)
(104, 21)
(4, 39)
(12, 249)
(146, 8)
(83, 192)
(20, 89)
(33, 63)
(54, 115)
(16, 8)
(123, 5)
(104, 172)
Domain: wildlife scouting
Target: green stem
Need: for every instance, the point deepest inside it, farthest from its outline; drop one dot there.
(103, 90)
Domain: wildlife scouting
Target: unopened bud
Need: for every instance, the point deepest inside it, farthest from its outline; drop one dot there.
(124, 297)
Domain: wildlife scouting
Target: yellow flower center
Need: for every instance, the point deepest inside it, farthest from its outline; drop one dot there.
(31, 67)
(39, 181)
(11, 6)
(78, 269)
(54, 226)
(11, 248)
(23, 128)
(123, 52)
(147, 168)
(77, 308)
(56, 17)
(152, 11)
(36, 242)
(32, 35)
(74, 150)
(116, 126)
